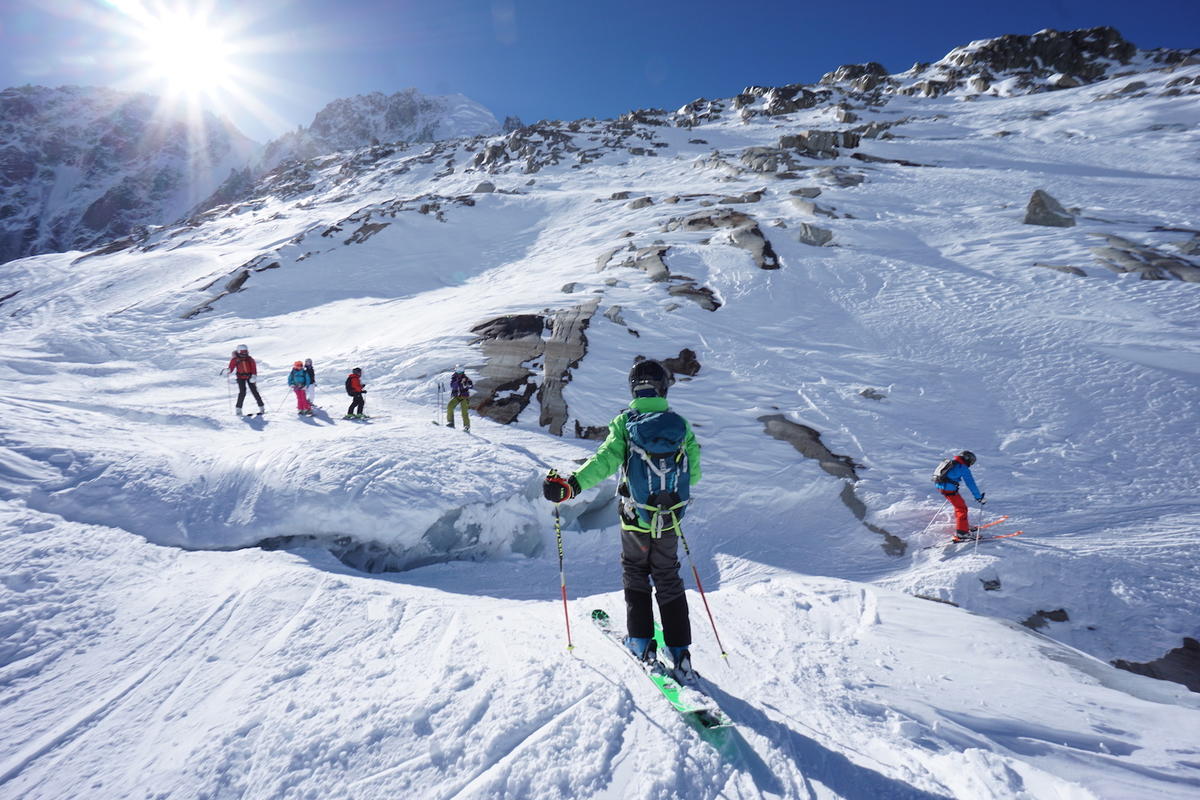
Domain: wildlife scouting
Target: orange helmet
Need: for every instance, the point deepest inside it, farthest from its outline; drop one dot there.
(298, 365)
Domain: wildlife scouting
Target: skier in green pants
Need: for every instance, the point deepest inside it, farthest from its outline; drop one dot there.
(659, 460)
(460, 393)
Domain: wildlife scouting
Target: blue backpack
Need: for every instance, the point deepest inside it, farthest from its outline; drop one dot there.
(656, 470)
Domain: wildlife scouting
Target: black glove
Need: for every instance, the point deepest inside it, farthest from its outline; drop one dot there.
(556, 489)
(982, 495)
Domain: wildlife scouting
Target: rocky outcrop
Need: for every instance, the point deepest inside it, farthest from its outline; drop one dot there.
(813, 235)
(807, 442)
(1122, 255)
(1043, 209)
(508, 345)
(561, 352)
(741, 231)
(1180, 665)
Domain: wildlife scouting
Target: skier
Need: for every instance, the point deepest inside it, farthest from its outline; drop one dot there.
(243, 366)
(310, 391)
(298, 380)
(946, 478)
(647, 442)
(460, 393)
(356, 389)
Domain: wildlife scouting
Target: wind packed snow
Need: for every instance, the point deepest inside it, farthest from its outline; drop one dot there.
(149, 647)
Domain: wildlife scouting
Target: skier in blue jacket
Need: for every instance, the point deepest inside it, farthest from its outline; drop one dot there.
(950, 473)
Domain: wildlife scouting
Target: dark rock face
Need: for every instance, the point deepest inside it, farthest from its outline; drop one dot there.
(1181, 665)
(1076, 53)
(1045, 210)
(1041, 619)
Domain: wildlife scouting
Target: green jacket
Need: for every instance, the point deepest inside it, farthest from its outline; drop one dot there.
(611, 455)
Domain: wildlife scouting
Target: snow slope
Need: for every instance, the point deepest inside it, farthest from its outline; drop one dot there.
(150, 648)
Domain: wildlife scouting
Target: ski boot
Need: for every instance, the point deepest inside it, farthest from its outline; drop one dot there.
(965, 536)
(682, 670)
(643, 649)
(238, 411)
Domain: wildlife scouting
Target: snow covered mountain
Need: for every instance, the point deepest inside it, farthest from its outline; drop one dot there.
(84, 165)
(377, 118)
(850, 281)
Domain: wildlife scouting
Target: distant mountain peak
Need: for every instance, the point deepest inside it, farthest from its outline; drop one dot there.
(378, 118)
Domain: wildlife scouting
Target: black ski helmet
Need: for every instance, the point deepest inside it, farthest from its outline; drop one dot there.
(357, 370)
(967, 457)
(650, 375)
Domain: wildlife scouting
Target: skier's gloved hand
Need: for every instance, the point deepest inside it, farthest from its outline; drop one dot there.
(982, 502)
(253, 379)
(556, 489)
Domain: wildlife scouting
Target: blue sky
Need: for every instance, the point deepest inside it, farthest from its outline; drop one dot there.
(538, 58)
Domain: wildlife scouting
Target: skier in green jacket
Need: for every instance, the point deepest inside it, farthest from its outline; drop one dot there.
(659, 460)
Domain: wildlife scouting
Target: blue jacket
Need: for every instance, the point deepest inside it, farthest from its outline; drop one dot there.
(959, 472)
(298, 378)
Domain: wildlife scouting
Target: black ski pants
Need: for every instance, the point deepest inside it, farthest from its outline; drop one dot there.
(645, 559)
(243, 383)
(356, 405)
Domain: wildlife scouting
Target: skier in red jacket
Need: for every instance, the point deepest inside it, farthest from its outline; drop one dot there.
(356, 389)
(243, 366)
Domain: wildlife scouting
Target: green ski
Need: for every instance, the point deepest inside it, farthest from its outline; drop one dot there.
(690, 701)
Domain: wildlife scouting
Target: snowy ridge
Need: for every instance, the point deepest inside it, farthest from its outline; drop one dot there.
(150, 647)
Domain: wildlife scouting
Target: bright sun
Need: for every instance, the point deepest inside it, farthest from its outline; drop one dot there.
(186, 55)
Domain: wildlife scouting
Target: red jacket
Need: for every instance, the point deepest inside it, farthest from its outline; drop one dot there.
(244, 366)
(354, 383)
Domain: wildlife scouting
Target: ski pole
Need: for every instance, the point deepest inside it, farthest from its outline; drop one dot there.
(935, 516)
(229, 391)
(700, 586)
(284, 400)
(562, 575)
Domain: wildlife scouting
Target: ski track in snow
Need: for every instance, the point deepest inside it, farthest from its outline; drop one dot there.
(149, 649)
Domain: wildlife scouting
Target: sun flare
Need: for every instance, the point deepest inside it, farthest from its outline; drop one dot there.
(188, 56)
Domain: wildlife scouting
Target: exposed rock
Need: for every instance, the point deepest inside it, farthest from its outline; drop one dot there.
(1062, 268)
(708, 220)
(619, 196)
(1122, 255)
(806, 191)
(683, 364)
(750, 238)
(614, 314)
(841, 176)
(849, 73)
(1181, 665)
(812, 235)
(596, 432)
(761, 159)
(1042, 618)
(820, 144)
(641, 202)
(811, 208)
(1045, 210)
(484, 187)
(504, 388)
(570, 288)
(748, 197)
(872, 394)
(650, 261)
(562, 352)
(700, 295)
(870, 159)
(807, 441)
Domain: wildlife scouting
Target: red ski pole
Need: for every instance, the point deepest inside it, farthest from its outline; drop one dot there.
(562, 575)
(700, 586)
